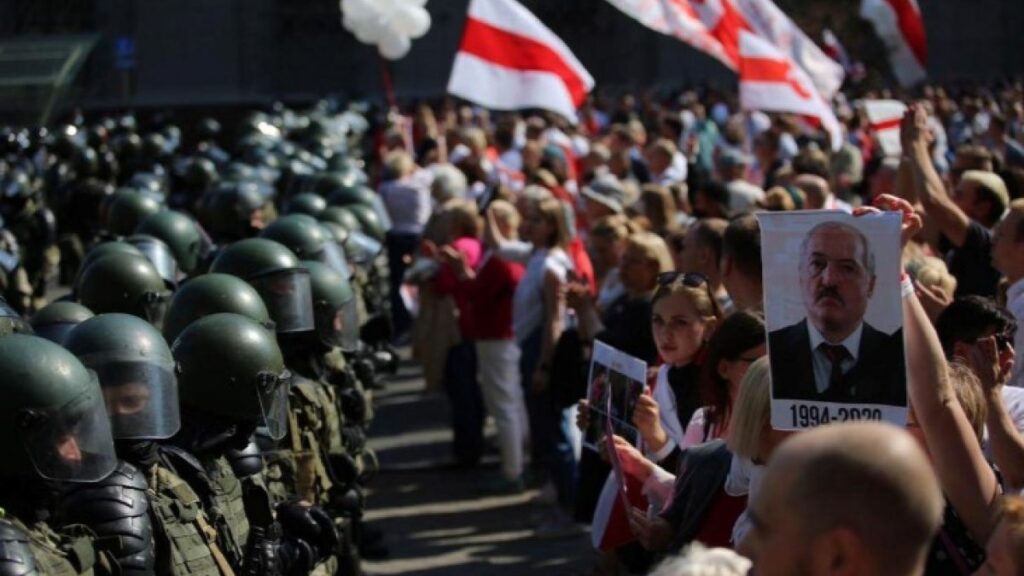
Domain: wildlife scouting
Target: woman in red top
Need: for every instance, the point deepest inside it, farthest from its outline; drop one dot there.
(464, 245)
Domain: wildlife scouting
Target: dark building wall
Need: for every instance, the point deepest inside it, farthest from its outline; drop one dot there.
(249, 51)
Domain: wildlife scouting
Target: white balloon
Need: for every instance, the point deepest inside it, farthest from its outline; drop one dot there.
(413, 21)
(370, 31)
(394, 46)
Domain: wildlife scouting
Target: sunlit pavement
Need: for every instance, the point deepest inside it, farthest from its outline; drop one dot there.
(433, 518)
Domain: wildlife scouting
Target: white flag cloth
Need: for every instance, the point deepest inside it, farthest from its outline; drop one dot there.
(884, 117)
(770, 22)
(898, 23)
(770, 81)
(679, 19)
(509, 60)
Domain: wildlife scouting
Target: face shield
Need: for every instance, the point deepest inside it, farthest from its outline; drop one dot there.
(272, 393)
(339, 326)
(289, 299)
(161, 257)
(11, 322)
(71, 443)
(141, 398)
(362, 248)
(334, 256)
(153, 307)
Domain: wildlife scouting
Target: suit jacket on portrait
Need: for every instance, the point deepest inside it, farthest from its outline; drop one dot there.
(878, 377)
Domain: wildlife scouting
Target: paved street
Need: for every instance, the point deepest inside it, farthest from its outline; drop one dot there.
(435, 521)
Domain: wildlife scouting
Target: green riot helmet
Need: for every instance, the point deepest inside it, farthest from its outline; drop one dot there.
(11, 322)
(123, 283)
(278, 276)
(307, 203)
(180, 233)
(214, 294)
(231, 368)
(52, 417)
(233, 211)
(200, 175)
(304, 236)
(369, 221)
(334, 307)
(159, 255)
(56, 319)
(342, 217)
(105, 249)
(136, 373)
(126, 209)
(347, 195)
(360, 195)
(337, 231)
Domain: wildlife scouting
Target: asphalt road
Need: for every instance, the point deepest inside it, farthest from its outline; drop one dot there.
(434, 520)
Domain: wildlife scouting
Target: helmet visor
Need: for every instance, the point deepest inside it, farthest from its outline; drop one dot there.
(272, 393)
(154, 307)
(333, 256)
(72, 443)
(339, 326)
(162, 259)
(289, 299)
(362, 247)
(141, 399)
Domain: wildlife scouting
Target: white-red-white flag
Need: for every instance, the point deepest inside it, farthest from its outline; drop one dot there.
(509, 60)
(726, 19)
(834, 49)
(884, 121)
(770, 81)
(898, 23)
(679, 19)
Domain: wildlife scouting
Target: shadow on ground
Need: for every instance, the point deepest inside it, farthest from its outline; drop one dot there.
(434, 518)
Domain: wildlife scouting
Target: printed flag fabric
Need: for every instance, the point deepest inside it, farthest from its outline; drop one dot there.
(508, 60)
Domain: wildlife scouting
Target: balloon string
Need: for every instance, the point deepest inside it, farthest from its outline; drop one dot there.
(389, 88)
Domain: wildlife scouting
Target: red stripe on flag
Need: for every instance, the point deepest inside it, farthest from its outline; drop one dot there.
(768, 70)
(912, 28)
(518, 52)
(886, 125)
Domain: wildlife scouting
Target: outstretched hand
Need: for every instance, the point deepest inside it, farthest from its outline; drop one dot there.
(911, 223)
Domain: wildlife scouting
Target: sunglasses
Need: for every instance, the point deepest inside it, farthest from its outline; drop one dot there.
(689, 279)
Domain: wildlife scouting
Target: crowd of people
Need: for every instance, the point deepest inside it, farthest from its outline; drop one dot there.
(522, 239)
(195, 320)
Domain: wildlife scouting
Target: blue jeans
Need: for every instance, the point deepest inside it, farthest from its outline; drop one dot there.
(466, 402)
(550, 426)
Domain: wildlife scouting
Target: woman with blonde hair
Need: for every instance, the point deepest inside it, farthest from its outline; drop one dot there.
(607, 242)
(538, 319)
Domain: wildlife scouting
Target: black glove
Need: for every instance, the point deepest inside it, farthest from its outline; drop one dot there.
(311, 525)
(261, 551)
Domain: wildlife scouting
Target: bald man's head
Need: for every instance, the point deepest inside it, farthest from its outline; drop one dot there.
(858, 495)
(815, 189)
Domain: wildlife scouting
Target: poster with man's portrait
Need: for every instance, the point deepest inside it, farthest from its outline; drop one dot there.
(834, 316)
(616, 382)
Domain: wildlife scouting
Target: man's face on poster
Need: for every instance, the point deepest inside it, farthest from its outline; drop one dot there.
(836, 278)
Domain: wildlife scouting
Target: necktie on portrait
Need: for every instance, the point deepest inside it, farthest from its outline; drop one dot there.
(836, 354)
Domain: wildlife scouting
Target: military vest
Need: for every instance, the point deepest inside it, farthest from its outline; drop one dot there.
(68, 554)
(186, 541)
(227, 508)
(298, 467)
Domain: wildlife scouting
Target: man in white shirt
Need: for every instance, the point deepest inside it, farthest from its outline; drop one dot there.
(1008, 258)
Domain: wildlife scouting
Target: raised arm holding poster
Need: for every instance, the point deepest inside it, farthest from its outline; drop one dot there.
(834, 318)
(616, 382)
